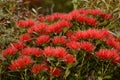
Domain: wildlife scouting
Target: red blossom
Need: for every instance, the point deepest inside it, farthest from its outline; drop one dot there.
(32, 51)
(60, 52)
(81, 19)
(106, 54)
(25, 23)
(25, 37)
(42, 39)
(69, 59)
(55, 72)
(20, 63)
(87, 46)
(73, 45)
(59, 40)
(17, 45)
(9, 51)
(40, 28)
(49, 51)
(37, 68)
(91, 21)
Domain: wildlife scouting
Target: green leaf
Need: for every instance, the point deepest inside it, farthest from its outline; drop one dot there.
(107, 77)
(100, 78)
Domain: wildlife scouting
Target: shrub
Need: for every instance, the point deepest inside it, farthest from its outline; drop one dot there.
(74, 45)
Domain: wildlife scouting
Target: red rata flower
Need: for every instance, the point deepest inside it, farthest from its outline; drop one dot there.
(106, 16)
(54, 28)
(81, 19)
(20, 63)
(40, 28)
(9, 51)
(25, 23)
(59, 40)
(25, 37)
(60, 52)
(116, 60)
(49, 51)
(37, 68)
(42, 39)
(69, 59)
(64, 23)
(91, 21)
(18, 45)
(32, 51)
(106, 54)
(87, 46)
(41, 18)
(69, 33)
(73, 45)
(55, 72)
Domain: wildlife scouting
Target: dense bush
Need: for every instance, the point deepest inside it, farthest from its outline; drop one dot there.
(83, 44)
(62, 46)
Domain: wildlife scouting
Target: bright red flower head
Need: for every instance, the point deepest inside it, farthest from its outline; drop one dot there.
(81, 19)
(9, 51)
(55, 72)
(25, 23)
(91, 21)
(37, 68)
(32, 51)
(69, 59)
(87, 46)
(20, 63)
(49, 51)
(42, 39)
(73, 45)
(25, 37)
(18, 45)
(60, 52)
(59, 40)
(106, 54)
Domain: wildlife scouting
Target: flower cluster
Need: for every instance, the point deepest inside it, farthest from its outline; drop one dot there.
(51, 43)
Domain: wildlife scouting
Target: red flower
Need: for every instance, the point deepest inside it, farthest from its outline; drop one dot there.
(106, 54)
(40, 28)
(50, 18)
(69, 33)
(9, 51)
(74, 14)
(87, 46)
(17, 45)
(116, 60)
(49, 51)
(37, 68)
(94, 12)
(81, 19)
(60, 52)
(20, 63)
(27, 23)
(37, 52)
(91, 21)
(59, 40)
(25, 37)
(73, 45)
(41, 18)
(42, 39)
(64, 23)
(32, 51)
(69, 59)
(55, 72)
(106, 16)
(111, 42)
(54, 28)
(27, 51)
